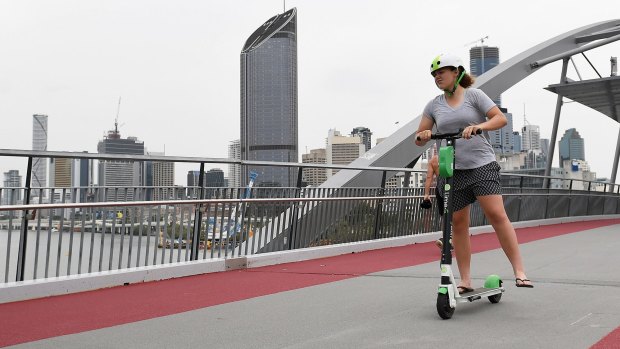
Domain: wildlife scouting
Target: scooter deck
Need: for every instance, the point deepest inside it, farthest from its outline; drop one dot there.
(478, 293)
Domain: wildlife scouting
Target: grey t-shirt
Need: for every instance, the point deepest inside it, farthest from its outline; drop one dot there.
(470, 153)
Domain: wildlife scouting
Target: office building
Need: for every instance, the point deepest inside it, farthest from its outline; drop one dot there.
(118, 178)
(163, 178)
(365, 134)
(12, 188)
(516, 138)
(314, 176)
(571, 146)
(39, 142)
(530, 138)
(60, 179)
(269, 100)
(214, 178)
(82, 178)
(342, 150)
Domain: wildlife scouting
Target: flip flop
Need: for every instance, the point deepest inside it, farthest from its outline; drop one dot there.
(523, 283)
(464, 289)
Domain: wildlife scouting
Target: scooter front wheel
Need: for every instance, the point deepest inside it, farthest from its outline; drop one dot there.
(443, 306)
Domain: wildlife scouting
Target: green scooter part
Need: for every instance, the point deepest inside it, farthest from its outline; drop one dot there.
(492, 281)
(446, 161)
(443, 290)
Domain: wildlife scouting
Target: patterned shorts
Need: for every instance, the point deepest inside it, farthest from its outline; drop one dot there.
(469, 184)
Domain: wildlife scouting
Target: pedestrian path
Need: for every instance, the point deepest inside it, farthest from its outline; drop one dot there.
(373, 299)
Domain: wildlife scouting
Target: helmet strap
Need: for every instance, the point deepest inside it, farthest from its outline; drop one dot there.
(456, 84)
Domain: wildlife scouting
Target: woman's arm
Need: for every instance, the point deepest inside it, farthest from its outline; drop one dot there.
(424, 131)
(495, 120)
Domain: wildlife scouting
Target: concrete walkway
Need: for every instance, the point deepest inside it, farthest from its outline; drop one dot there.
(374, 299)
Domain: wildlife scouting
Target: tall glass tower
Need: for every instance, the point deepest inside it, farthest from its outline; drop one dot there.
(269, 100)
(39, 142)
(571, 146)
(481, 60)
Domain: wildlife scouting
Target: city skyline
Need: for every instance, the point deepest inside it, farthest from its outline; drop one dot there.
(182, 78)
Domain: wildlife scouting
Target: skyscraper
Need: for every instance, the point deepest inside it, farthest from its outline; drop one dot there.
(82, 177)
(481, 60)
(365, 134)
(269, 99)
(39, 142)
(502, 140)
(122, 175)
(530, 138)
(571, 146)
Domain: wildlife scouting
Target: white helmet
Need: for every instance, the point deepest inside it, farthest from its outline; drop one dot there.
(446, 60)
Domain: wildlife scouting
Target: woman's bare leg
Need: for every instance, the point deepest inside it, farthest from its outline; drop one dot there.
(493, 207)
(462, 244)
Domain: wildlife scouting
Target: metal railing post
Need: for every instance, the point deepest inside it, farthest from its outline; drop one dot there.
(198, 216)
(23, 238)
(293, 233)
(588, 201)
(379, 212)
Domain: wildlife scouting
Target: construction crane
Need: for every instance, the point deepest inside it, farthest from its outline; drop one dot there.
(481, 41)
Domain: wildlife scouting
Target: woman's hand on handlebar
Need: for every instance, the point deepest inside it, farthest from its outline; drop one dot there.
(423, 136)
(470, 131)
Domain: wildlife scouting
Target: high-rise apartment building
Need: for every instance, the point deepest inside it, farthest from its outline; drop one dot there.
(39, 142)
(234, 170)
(571, 146)
(342, 150)
(119, 176)
(482, 59)
(366, 136)
(269, 100)
(314, 176)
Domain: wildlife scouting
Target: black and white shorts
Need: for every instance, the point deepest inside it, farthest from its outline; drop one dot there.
(471, 183)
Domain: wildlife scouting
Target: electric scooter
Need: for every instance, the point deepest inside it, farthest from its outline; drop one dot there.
(448, 295)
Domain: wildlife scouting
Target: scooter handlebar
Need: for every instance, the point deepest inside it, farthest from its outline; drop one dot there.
(453, 135)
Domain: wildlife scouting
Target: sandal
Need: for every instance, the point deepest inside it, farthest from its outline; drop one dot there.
(522, 283)
(464, 289)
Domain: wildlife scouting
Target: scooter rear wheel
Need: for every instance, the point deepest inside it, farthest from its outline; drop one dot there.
(443, 306)
(495, 298)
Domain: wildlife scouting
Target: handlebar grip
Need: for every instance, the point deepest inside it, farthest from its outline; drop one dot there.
(441, 136)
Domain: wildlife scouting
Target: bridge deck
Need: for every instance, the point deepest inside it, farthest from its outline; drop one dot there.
(380, 298)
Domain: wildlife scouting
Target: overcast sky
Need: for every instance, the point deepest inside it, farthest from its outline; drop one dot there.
(176, 66)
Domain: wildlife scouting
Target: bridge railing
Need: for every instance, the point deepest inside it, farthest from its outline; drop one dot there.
(73, 234)
(98, 237)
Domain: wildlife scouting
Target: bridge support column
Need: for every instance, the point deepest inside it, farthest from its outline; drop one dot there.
(556, 121)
